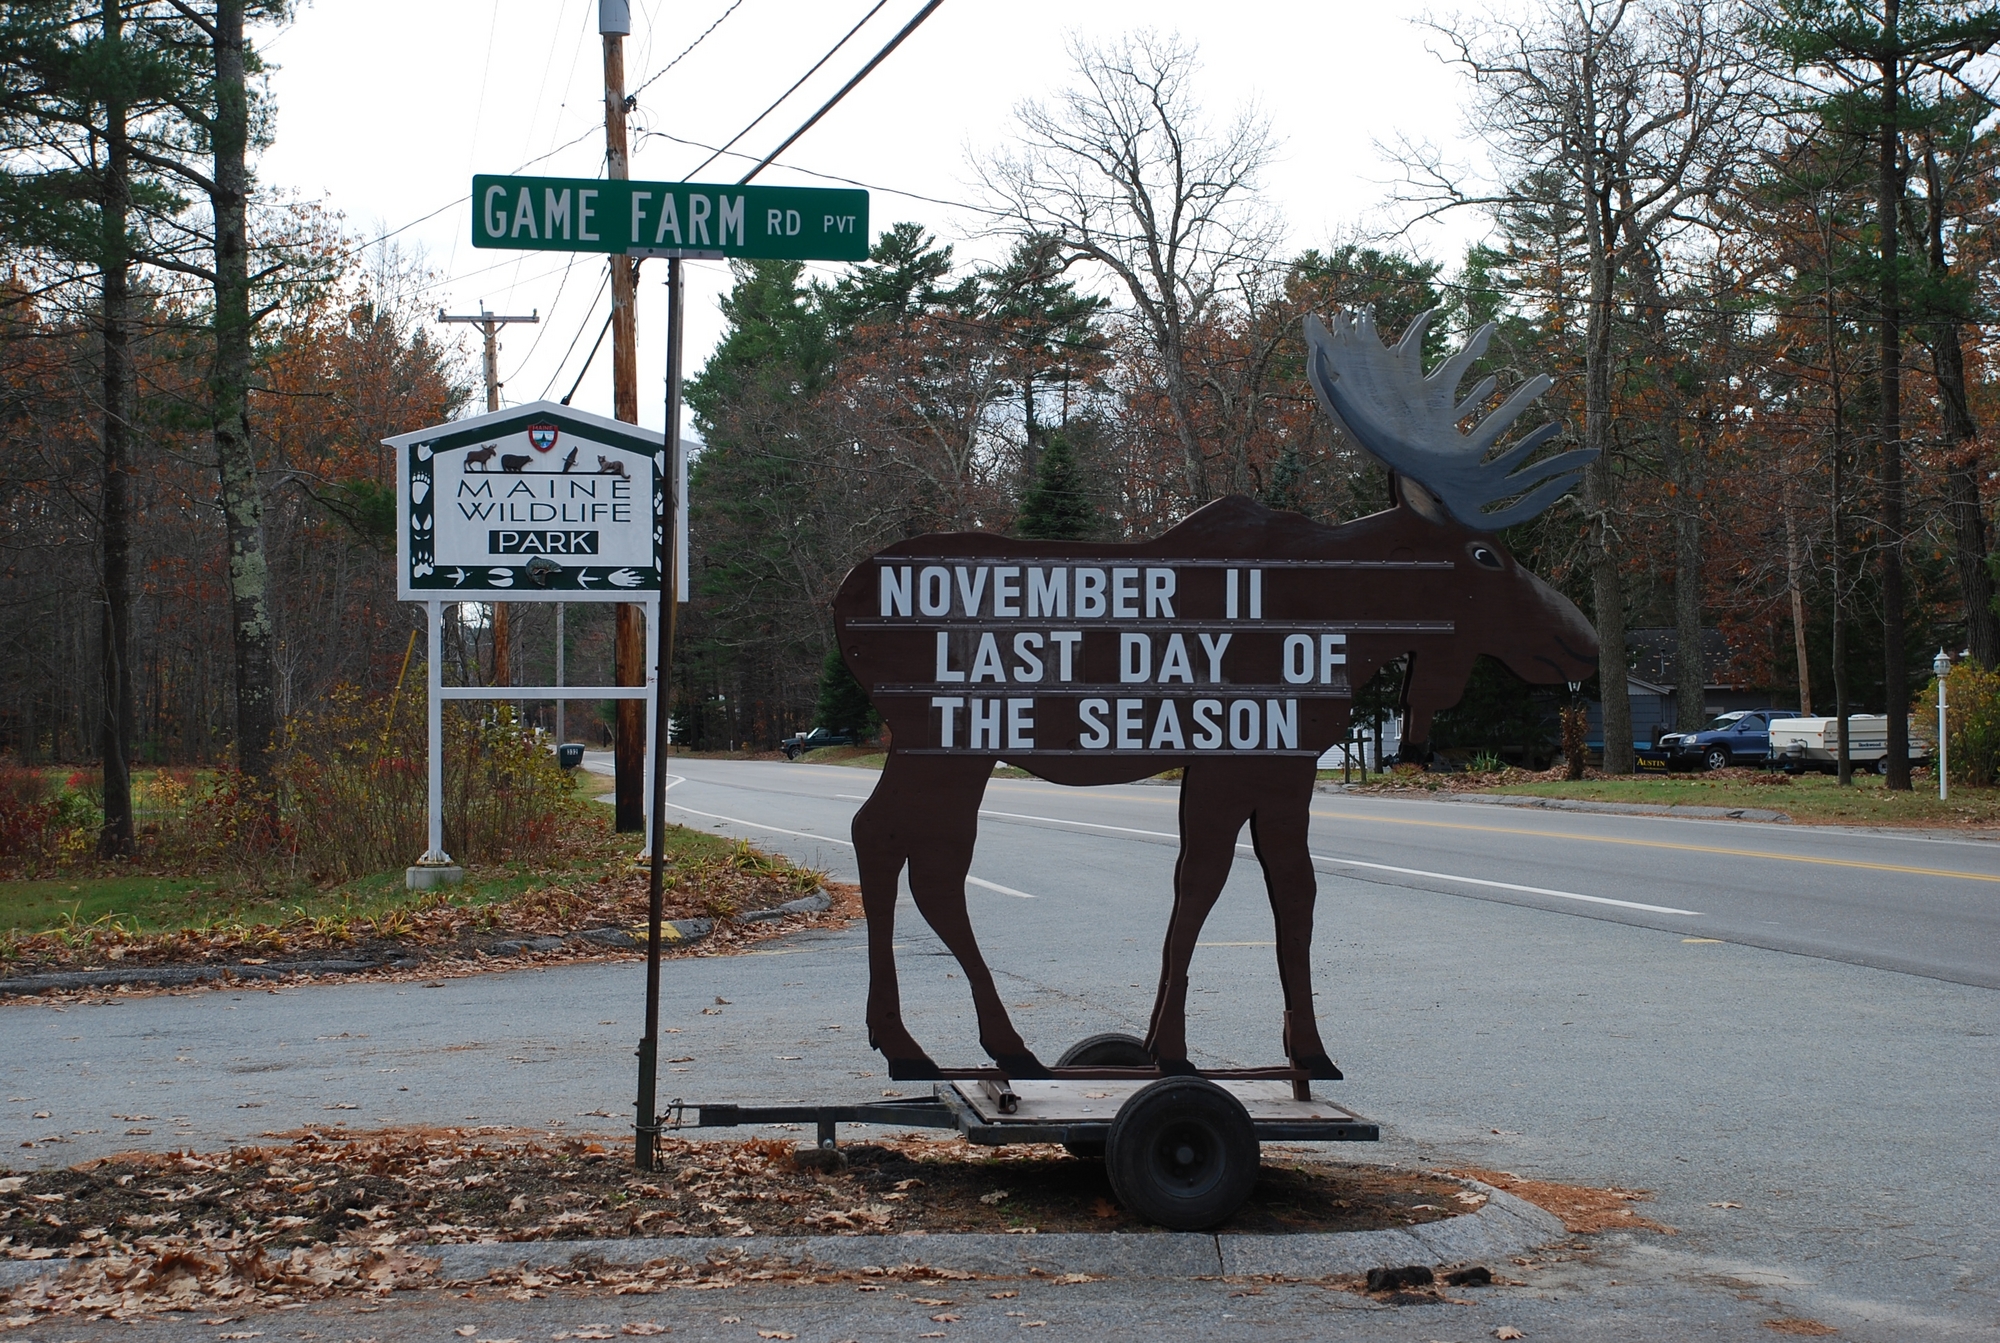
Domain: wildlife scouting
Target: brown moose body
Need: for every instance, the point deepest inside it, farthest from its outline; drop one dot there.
(1229, 647)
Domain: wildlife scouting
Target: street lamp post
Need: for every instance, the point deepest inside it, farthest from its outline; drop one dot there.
(1941, 664)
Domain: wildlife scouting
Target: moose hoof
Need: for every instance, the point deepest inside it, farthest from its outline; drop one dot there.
(918, 1069)
(1320, 1068)
(1021, 1065)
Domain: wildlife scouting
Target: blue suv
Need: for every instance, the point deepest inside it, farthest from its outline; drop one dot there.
(1740, 738)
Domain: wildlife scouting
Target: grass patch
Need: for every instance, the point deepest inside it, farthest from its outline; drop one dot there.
(1806, 798)
(164, 902)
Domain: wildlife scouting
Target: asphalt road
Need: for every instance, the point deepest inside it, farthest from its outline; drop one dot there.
(1803, 1023)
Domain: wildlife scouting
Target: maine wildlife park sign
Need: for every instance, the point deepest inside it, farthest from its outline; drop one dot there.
(534, 503)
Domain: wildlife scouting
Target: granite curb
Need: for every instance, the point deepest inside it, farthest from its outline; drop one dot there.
(1502, 1227)
(675, 932)
(1627, 808)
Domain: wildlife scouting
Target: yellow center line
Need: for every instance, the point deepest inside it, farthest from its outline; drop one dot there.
(1663, 844)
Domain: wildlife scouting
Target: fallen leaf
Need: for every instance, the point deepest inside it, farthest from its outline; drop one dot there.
(932, 1301)
(466, 1330)
(995, 1198)
(249, 1333)
(1104, 1207)
(1000, 1296)
(1725, 1204)
(642, 1328)
(869, 1287)
(593, 1331)
(1508, 1331)
(771, 1333)
(731, 1319)
(721, 1001)
(946, 1318)
(1071, 1279)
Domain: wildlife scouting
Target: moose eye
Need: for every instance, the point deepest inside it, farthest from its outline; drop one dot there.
(1485, 557)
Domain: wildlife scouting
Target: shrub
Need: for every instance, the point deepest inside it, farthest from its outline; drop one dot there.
(1972, 722)
(28, 808)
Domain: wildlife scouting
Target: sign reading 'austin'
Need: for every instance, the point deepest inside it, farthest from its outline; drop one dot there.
(1230, 645)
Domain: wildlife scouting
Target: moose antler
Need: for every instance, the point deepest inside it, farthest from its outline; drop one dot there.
(1409, 422)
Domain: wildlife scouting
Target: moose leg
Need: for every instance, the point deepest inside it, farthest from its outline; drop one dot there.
(1216, 797)
(888, 829)
(925, 812)
(1278, 833)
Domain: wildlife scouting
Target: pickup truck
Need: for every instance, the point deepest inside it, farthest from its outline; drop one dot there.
(1740, 738)
(798, 744)
(1814, 743)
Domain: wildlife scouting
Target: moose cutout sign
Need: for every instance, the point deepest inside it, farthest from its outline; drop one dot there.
(1229, 646)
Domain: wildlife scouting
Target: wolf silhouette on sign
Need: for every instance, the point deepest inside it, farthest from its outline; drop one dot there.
(1427, 581)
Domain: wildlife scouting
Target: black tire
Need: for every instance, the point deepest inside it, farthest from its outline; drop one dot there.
(1182, 1153)
(1882, 765)
(1715, 757)
(1112, 1049)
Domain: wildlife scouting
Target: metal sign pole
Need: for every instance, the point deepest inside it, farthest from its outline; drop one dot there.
(435, 856)
(647, 1131)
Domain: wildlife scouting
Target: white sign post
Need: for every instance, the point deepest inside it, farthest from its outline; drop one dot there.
(535, 503)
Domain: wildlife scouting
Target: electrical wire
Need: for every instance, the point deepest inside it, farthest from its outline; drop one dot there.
(601, 287)
(587, 359)
(633, 97)
(877, 9)
(845, 89)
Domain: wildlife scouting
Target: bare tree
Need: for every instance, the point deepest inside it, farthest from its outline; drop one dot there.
(1635, 112)
(1123, 170)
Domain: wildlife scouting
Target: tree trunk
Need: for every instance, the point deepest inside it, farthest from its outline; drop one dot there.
(1888, 203)
(1691, 666)
(1599, 494)
(1797, 591)
(1968, 513)
(115, 742)
(229, 386)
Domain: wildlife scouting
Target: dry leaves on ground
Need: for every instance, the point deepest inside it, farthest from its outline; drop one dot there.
(1582, 1208)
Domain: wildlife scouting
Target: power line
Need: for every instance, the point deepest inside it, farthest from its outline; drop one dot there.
(632, 98)
(846, 88)
(790, 91)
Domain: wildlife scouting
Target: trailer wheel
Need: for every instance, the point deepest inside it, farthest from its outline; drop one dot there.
(1112, 1049)
(1182, 1153)
(1882, 764)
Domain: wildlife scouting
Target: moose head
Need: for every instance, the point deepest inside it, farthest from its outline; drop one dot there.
(1408, 421)
(1228, 646)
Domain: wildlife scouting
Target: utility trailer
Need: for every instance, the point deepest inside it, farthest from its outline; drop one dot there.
(1180, 1150)
(1800, 744)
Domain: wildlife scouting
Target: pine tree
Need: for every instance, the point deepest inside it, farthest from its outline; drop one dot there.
(843, 704)
(1057, 506)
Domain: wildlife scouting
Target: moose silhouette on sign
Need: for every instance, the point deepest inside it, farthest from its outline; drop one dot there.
(1228, 646)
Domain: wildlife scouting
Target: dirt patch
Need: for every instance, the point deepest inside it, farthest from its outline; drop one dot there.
(1582, 1208)
(455, 1185)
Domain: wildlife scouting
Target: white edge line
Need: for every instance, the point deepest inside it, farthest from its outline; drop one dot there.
(844, 843)
(996, 886)
(1381, 867)
(1507, 886)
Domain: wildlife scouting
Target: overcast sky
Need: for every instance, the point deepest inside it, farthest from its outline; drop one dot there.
(387, 107)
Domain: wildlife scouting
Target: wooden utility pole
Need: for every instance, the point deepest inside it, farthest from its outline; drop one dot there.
(490, 323)
(614, 21)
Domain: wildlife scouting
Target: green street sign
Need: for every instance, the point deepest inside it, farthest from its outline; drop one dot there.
(593, 214)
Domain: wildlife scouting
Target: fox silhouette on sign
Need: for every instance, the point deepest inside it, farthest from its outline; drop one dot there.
(1229, 646)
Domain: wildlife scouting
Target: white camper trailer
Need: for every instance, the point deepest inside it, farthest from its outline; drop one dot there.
(1799, 744)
